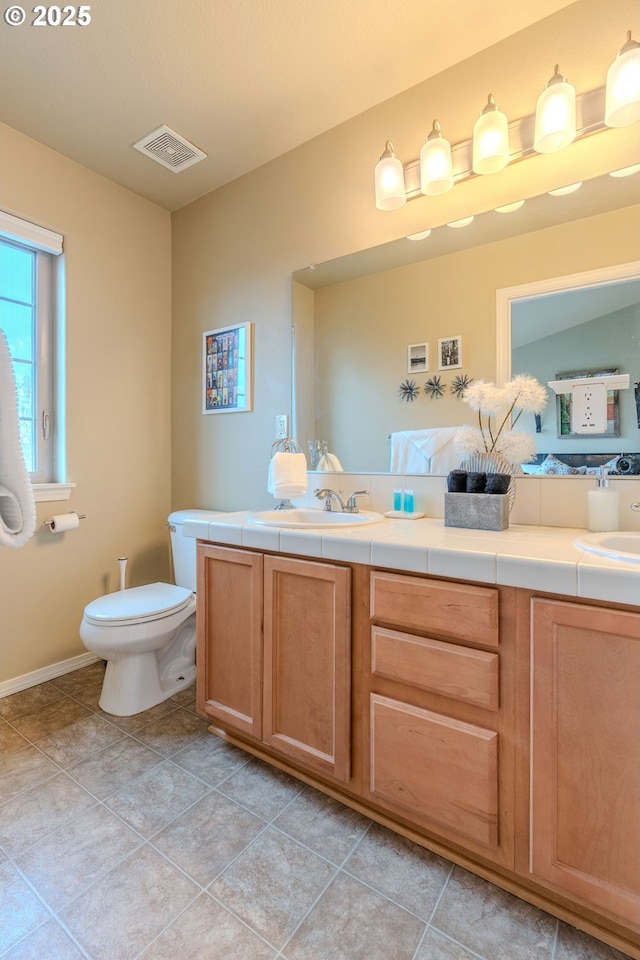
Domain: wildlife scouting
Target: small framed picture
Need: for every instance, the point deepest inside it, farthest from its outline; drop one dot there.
(417, 358)
(226, 369)
(449, 353)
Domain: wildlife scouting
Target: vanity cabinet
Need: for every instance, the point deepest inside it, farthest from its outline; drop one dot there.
(274, 653)
(439, 736)
(585, 754)
(494, 725)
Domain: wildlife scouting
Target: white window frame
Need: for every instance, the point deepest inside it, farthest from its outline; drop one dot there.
(49, 407)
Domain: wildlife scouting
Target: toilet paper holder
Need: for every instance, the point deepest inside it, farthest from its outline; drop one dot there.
(51, 522)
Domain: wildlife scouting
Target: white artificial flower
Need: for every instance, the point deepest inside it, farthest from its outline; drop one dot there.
(516, 447)
(469, 440)
(525, 393)
(505, 404)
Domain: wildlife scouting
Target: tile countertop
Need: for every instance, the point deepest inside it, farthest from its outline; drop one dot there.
(533, 557)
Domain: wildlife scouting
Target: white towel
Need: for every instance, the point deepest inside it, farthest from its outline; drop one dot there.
(424, 451)
(17, 506)
(287, 475)
(329, 463)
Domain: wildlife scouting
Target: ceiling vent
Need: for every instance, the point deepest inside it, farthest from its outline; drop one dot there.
(170, 149)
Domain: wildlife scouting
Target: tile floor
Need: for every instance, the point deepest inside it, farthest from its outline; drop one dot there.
(147, 837)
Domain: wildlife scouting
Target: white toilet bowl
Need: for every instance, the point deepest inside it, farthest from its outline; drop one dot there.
(147, 634)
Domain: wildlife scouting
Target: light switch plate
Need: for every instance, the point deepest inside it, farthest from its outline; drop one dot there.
(282, 426)
(589, 408)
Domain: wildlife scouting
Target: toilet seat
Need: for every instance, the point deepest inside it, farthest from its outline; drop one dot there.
(154, 601)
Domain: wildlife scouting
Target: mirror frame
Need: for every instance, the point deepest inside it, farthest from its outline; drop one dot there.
(506, 297)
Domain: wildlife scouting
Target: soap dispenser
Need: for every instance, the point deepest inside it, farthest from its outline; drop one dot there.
(602, 505)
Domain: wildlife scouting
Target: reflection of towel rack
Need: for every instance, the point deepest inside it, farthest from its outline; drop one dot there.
(286, 445)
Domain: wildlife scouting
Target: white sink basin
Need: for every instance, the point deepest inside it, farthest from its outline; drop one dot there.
(304, 519)
(616, 546)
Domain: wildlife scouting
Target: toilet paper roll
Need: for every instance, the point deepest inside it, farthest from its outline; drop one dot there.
(63, 521)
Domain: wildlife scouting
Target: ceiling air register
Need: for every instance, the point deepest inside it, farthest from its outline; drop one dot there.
(167, 147)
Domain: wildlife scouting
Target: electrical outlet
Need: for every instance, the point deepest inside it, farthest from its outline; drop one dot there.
(282, 426)
(589, 408)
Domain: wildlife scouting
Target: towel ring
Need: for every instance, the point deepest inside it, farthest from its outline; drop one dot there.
(286, 445)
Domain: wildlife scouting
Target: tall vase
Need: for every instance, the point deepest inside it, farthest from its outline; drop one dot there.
(494, 463)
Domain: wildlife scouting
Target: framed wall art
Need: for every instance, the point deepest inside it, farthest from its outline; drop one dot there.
(417, 358)
(449, 353)
(227, 369)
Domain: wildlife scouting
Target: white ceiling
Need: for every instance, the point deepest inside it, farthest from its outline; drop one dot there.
(244, 80)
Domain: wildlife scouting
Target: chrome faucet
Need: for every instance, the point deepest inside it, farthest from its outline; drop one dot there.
(330, 497)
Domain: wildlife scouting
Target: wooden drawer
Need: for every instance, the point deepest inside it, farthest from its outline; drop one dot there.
(439, 771)
(456, 610)
(445, 668)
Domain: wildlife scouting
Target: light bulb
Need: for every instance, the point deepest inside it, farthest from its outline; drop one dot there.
(456, 224)
(422, 235)
(622, 100)
(389, 180)
(436, 168)
(555, 115)
(490, 140)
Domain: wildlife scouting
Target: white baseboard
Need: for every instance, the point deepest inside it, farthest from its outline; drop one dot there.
(7, 687)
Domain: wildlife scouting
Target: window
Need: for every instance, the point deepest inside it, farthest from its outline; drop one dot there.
(27, 318)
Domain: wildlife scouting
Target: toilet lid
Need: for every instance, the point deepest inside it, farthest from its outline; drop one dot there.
(138, 604)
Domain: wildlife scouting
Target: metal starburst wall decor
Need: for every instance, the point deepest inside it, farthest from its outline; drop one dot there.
(434, 388)
(460, 384)
(408, 391)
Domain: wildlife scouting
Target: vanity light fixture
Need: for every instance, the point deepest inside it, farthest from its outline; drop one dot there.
(436, 166)
(422, 235)
(564, 191)
(510, 207)
(622, 101)
(561, 117)
(490, 139)
(555, 115)
(389, 179)
(460, 223)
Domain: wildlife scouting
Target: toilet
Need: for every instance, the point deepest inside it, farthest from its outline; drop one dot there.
(147, 634)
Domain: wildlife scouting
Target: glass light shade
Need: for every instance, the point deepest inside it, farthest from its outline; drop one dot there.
(436, 166)
(555, 116)
(490, 140)
(622, 101)
(422, 235)
(389, 180)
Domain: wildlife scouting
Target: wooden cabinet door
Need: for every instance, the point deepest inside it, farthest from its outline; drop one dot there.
(229, 637)
(307, 663)
(585, 754)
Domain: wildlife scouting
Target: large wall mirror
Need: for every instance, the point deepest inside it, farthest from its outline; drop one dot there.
(559, 275)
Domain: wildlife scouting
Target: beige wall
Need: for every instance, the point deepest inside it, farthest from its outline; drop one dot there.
(362, 329)
(118, 289)
(234, 250)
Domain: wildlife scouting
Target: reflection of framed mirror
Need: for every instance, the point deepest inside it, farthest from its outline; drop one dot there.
(564, 401)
